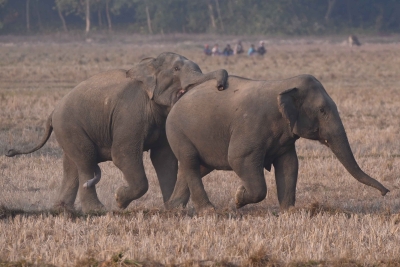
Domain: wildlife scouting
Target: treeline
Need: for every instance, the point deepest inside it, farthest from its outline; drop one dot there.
(299, 17)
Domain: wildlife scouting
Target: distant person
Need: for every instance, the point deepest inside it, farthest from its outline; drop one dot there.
(215, 51)
(207, 50)
(353, 40)
(238, 48)
(252, 50)
(261, 49)
(228, 51)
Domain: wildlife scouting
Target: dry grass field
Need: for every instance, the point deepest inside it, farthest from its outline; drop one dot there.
(337, 221)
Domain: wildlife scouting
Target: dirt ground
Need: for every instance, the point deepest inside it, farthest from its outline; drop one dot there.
(337, 221)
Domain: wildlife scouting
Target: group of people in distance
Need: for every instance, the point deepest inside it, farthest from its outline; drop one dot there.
(237, 50)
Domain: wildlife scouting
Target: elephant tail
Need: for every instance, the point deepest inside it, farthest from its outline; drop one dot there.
(49, 130)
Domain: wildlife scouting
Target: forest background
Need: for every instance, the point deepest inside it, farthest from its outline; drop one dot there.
(235, 17)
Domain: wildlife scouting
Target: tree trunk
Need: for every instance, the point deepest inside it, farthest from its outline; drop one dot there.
(99, 18)
(38, 16)
(211, 12)
(379, 19)
(62, 19)
(219, 14)
(331, 4)
(87, 15)
(148, 20)
(349, 17)
(28, 22)
(108, 16)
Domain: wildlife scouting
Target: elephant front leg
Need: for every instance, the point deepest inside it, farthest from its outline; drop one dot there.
(166, 167)
(254, 188)
(286, 172)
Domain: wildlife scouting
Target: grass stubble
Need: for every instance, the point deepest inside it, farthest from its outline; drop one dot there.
(337, 221)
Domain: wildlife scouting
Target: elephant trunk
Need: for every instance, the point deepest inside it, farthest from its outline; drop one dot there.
(340, 146)
(196, 77)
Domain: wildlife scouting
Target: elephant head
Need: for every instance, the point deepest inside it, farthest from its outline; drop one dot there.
(169, 76)
(312, 114)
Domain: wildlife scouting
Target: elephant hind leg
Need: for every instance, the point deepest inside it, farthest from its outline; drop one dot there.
(189, 172)
(80, 165)
(86, 161)
(132, 168)
(69, 185)
(166, 167)
(181, 194)
(88, 195)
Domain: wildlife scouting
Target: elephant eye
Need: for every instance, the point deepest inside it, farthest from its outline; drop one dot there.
(322, 110)
(177, 68)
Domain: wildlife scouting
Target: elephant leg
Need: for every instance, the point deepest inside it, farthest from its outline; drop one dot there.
(190, 172)
(82, 152)
(250, 170)
(181, 194)
(166, 166)
(88, 195)
(69, 185)
(131, 165)
(286, 171)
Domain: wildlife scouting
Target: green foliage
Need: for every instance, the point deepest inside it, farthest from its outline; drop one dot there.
(290, 17)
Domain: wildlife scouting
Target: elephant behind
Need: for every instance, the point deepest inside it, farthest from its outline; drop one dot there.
(116, 115)
(251, 126)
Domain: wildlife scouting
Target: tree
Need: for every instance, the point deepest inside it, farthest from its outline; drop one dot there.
(87, 15)
(219, 15)
(64, 6)
(331, 4)
(211, 12)
(148, 20)
(28, 21)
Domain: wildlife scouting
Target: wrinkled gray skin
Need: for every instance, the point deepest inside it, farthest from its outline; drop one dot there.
(251, 126)
(116, 115)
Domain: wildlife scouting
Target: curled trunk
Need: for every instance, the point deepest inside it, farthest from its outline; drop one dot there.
(197, 78)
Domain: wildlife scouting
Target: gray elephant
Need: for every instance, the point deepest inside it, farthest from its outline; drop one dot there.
(116, 115)
(250, 126)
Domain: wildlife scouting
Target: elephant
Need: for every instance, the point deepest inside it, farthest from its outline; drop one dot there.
(115, 116)
(252, 125)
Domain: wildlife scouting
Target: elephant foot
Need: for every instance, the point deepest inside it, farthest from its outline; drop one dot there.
(62, 206)
(175, 203)
(239, 198)
(123, 197)
(207, 210)
(286, 206)
(288, 209)
(93, 207)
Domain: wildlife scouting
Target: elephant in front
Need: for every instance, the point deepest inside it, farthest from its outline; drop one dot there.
(250, 126)
(116, 115)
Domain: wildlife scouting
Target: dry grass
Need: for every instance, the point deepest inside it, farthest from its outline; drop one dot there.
(337, 221)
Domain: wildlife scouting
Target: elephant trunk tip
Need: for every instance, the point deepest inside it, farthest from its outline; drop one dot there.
(220, 87)
(12, 153)
(384, 191)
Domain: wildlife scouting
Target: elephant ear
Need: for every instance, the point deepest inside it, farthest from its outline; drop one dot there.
(287, 101)
(145, 73)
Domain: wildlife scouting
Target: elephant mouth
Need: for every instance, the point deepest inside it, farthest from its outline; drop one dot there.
(181, 93)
